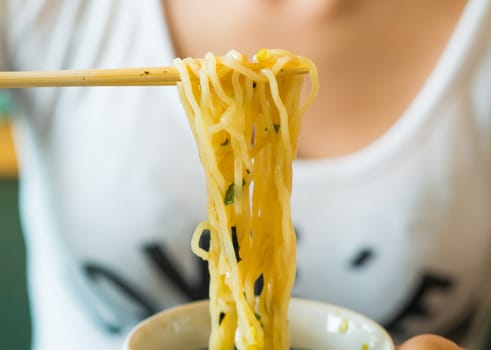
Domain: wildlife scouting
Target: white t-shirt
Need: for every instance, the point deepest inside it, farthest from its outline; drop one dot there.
(111, 186)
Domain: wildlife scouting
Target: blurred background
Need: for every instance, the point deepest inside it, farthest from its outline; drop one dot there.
(15, 328)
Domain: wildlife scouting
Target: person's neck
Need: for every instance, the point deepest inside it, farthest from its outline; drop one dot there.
(373, 56)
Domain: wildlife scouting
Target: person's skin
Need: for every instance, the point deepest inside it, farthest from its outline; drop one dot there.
(428, 342)
(372, 57)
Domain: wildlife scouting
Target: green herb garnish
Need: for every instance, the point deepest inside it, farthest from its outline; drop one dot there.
(229, 195)
(235, 243)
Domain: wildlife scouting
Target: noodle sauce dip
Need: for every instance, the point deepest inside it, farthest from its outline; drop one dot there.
(313, 326)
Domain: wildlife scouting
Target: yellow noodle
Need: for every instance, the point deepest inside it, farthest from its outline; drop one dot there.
(246, 124)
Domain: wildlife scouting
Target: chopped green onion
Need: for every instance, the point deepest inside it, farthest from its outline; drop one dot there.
(229, 196)
(235, 243)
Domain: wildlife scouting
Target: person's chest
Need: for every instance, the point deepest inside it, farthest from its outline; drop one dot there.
(372, 58)
(403, 235)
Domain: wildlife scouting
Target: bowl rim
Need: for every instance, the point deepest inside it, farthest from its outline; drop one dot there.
(294, 300)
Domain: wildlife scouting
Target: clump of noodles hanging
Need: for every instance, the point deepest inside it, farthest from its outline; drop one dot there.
(246, 122)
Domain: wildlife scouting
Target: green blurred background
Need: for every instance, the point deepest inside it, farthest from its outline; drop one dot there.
(15, 327)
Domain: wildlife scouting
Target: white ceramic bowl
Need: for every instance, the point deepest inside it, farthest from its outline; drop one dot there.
(313, 326)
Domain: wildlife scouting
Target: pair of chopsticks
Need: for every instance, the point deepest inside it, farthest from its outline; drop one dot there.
(150, 76)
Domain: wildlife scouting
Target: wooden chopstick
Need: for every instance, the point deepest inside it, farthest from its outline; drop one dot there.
(146, 76)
